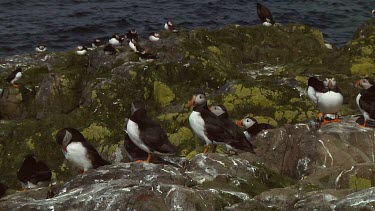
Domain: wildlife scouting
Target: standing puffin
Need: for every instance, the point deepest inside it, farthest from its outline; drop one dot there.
(78, 150)
(33, 173)
(252, 127)
(209, 127)
(134, 45)
(148, 134)
(169, 26)
(265, 15)
(222, 113)
(328, 99)
(81, 50)
(14, 76)
(366, 99)
(132, 34)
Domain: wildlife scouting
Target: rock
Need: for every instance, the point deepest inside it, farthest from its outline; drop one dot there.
(11, 104)
(361, 200)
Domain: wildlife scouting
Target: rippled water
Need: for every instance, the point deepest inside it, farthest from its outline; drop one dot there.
(62, 24)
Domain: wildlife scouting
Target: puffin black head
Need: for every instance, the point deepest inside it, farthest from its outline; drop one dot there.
(220, 110)
(18, 69)
(28, 165)
(137, 105)
(198, 100)
(330, 83)
(373, 12)
(247, 122)
(365, 83)
(67, 135)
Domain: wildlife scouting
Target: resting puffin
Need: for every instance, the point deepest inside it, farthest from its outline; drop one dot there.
(154, 37)
(169, 26)
(109, 50)
(81, 50)
(14, 76)
(265, 15)
(115, 40)
(328, 99)
(209, 127)
(33, 173)
(366, 99)
(252, 127)
(78, 150)
(222, 112)
(147, 134)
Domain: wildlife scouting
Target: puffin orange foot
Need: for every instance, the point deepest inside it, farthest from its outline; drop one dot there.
(23, 190)
(140, 161)
(16, 86)
(206, 149)
(326, 121)
(336, 120)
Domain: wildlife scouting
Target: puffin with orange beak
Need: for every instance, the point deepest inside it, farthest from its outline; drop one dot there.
(366, 99)
(222, 112)
(209, 127)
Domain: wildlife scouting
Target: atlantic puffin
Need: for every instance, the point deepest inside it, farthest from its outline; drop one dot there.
(81, 50)
(40, 48)
(97, 43)
(209, 127)
(154, 37)
(33, 173)
(329, 99)
(132, 34)
(146, 56)
(222, 112)
(366, 99)
(373, 12)
(115, 40)
(169, 26)
(134, 45)
(3, 189)
(252, 127)
(78, 150)
(147, 134)
(14, 76)
(265, 15)
(109, 50)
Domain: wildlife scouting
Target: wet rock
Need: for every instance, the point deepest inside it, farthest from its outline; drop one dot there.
(361, 200)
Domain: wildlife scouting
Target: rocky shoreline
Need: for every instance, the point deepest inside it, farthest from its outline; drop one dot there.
(254, 71)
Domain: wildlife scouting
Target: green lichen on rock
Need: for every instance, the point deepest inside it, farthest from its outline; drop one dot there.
(96, 133)
(163, 94)
(363, 67)
(358, 183)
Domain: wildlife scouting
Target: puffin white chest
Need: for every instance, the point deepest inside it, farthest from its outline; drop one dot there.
(134, 135)
(330, 102)
(132, 46)
(197, 124)
(357, 101)
(77, 154)
(313, 94)
(17, 77)
(114, 41)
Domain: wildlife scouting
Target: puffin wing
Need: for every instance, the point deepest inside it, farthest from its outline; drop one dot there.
(240, 141)
(367, 101)
(215, 127)
(264, 14)
(153, 135)
(11, 76)
(94, 156)
(42, 173)
(316, 84)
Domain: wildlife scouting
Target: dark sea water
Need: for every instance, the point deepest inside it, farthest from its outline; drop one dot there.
(63, 24)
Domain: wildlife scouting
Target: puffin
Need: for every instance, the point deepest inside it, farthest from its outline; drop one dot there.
(328, 99)
(154, 37)
(222, 112)
(265, 15)
(81, 50)
(96, 43)
(146, 56)
(210, 128)
(134, 45)
(78, 150)
(3, 189)
(132, 34)
(366, 99)
(33, 173)
(109, 50)
(373, 12)
(147, 134)
(14, 76)
(169, 26)
(115, 40)
(40, 48)
(252, 127)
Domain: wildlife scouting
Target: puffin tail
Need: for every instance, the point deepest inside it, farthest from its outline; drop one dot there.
(168, 149)
(102, 162)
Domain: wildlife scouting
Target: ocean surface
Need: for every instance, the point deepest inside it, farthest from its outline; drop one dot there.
(63, 24)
